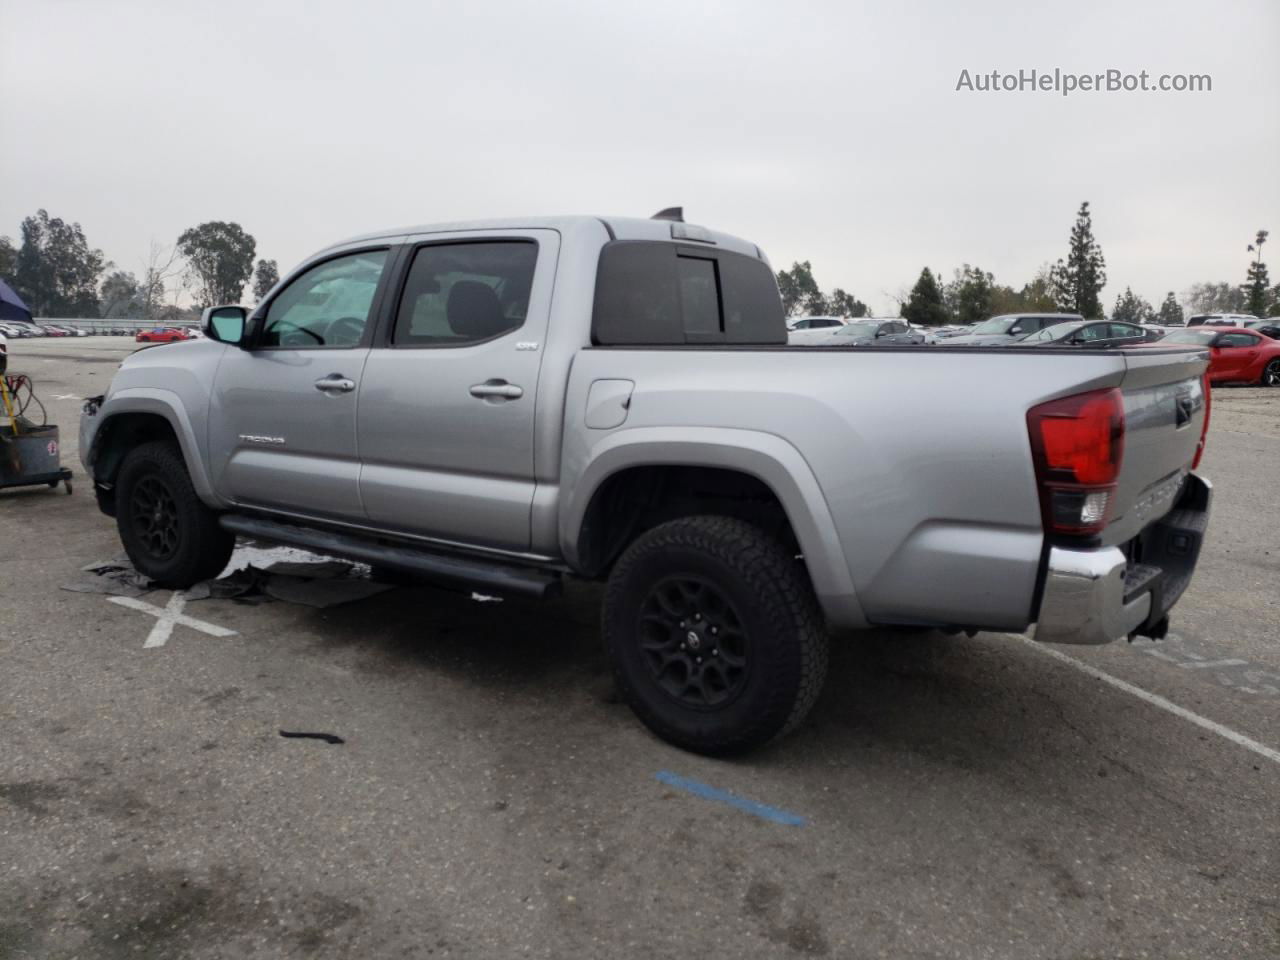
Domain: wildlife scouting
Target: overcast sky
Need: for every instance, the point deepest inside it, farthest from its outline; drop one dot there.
(831, 132)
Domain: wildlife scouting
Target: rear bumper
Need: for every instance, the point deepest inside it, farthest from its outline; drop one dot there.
(1096, 596)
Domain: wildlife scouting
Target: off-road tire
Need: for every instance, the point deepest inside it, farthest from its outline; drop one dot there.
(773, 600)
(202, 547)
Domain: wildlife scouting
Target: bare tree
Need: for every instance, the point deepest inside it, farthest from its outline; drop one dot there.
(162, 266)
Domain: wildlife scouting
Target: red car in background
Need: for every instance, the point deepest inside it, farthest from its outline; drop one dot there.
(161, 335)
(1235, 355)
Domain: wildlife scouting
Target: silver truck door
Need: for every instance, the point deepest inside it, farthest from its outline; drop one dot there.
(446, 417)
(282, 417)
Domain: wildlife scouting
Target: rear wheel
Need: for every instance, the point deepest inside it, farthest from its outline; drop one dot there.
(715, 635)
(1271, 374)
(167, 531)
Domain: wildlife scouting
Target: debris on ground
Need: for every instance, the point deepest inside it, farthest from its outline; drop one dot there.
(326, 737)
(116, 578)
(293, 576)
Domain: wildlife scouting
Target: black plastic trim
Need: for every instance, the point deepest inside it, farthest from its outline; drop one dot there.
(443, 567)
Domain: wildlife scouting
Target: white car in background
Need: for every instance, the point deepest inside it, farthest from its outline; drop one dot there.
(815, 323)
(1221, 320)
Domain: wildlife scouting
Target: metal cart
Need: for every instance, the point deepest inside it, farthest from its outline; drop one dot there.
(29, 454)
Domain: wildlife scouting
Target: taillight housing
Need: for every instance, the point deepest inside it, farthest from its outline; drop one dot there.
(1204, 429)
(1077, 444)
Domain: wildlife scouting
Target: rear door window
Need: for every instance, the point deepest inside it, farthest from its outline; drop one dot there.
(457, 294)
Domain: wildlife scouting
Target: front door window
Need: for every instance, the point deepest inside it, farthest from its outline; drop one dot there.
(327, 306)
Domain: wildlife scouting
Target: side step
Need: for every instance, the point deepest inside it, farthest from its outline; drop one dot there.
(440, 567)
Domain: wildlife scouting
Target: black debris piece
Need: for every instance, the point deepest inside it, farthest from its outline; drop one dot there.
(299, 735)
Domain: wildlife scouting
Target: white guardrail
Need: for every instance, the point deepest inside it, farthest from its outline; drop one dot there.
(110, 326)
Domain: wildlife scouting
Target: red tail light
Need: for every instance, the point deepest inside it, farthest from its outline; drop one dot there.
(1204, 430)
(1077, 444)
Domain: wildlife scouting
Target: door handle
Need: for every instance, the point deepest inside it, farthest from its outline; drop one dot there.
(336, 383)
(499, 389)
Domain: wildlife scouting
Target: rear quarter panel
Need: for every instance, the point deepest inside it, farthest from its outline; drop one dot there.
(917, 459)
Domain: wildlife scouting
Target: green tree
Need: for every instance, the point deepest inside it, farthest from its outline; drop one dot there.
(56, 271)
(121, 296)
(220, 256)
(1170, 312)
(924, 306)
(842, 304)
(969, 295)
(1255, 289)
(1131, 308)
(798, 288)
(8, 259)
(1220, 297)
(802, 296)
(1034, 297)
(266, 276)
(1078, 281)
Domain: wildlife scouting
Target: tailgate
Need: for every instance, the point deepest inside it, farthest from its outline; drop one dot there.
(1164, 408)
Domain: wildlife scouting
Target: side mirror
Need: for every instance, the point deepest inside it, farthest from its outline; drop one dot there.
(225, 324)
(1014, 331)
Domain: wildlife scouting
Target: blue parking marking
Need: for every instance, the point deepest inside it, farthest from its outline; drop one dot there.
(723, 796)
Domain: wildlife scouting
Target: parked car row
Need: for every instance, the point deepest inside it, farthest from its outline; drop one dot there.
(19, 329)
(23, 329)
(1243, 349)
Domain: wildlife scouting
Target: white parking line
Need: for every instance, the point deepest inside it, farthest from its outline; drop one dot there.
(1261, 749)
(168, 616)
(1210, 664)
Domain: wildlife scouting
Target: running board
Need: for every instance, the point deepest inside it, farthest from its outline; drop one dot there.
(440, 567)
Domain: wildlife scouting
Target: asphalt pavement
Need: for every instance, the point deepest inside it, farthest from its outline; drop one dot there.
(949, 797)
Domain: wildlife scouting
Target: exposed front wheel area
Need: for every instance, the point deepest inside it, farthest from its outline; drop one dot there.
(716, 637)
(167, 531)
(1271, 374)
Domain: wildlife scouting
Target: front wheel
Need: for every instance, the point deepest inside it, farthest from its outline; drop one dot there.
(167, 531)
(715, 635)
(1271, 374)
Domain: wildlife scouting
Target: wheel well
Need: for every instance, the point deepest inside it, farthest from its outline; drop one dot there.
(115, 439)
(639, 498)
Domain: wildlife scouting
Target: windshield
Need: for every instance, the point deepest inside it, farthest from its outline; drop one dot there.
(1200, 338)
(994, 325)
(857, 330)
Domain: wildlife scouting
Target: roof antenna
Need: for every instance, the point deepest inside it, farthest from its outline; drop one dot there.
(670, 213)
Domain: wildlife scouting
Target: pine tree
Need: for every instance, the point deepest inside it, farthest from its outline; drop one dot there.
(1170, 312)
(1131, 308)
(924, 306)
(1255, 285)
(968, 297)
(1078, 282)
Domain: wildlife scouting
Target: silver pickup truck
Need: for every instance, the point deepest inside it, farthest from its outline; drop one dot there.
(500, 405)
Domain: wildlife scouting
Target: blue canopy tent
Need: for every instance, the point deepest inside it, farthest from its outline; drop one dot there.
(11, 305)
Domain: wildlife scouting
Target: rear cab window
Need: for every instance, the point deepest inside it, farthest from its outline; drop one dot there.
(659, 293)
